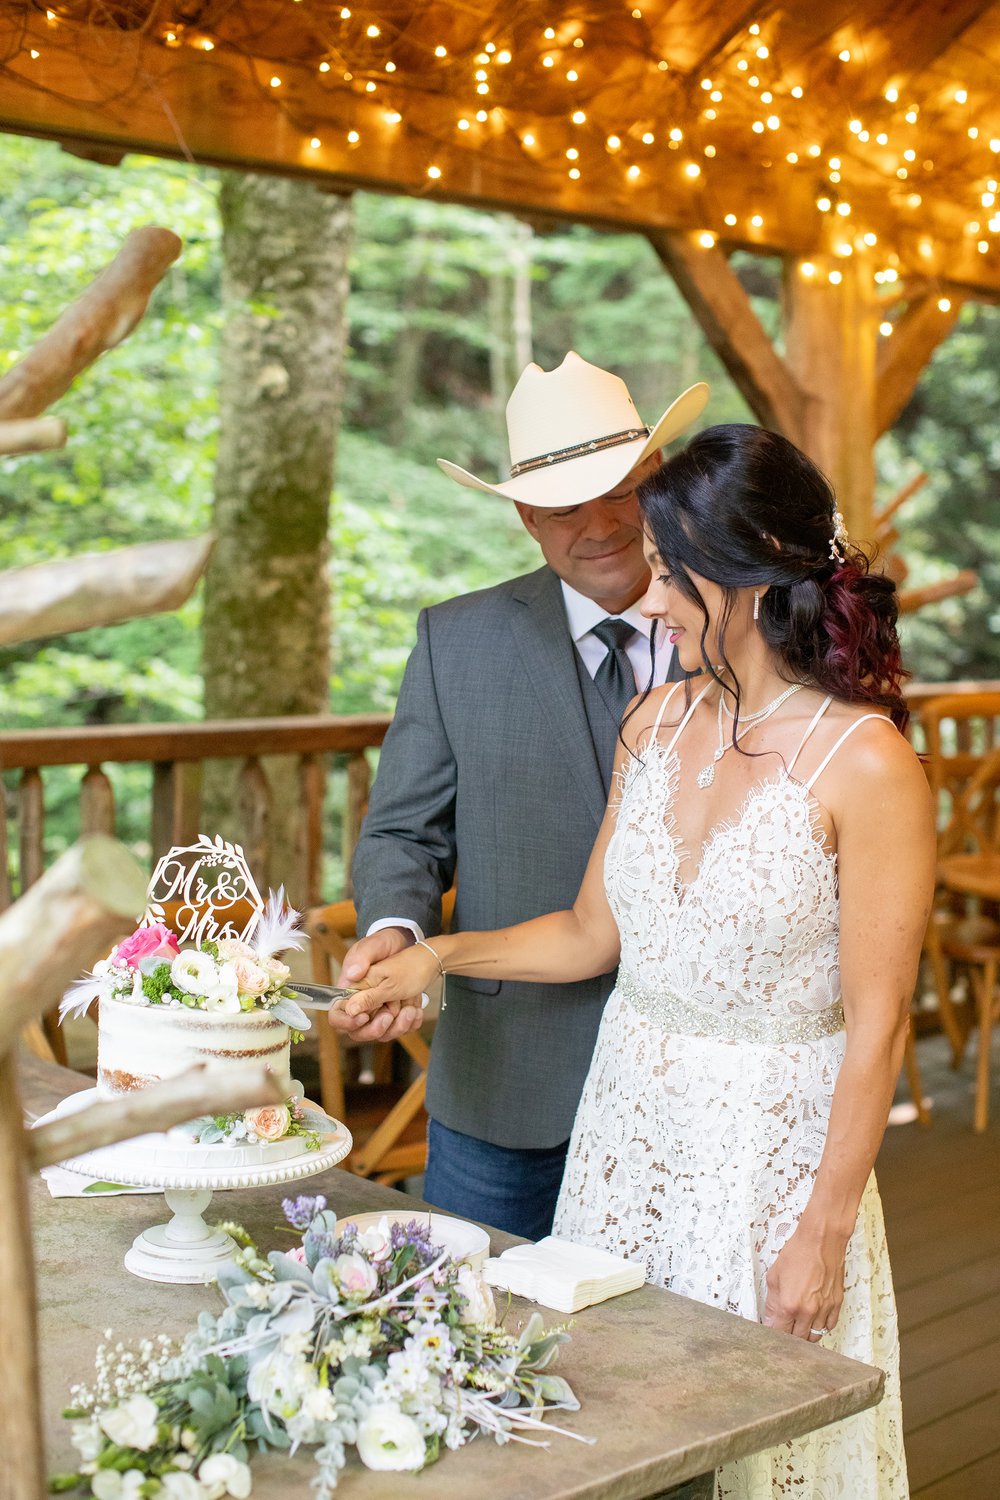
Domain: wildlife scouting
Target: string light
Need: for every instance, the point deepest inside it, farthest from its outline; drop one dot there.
(692, 169)
(730, 219)
(632, 172)
(529, 139)
(434, 172)
(835, 277)
(353, 137)
(885, 328)
(944, 304)
(440, 51)
(807, 269)
(757, 221)
(315, 143)
(463, 124)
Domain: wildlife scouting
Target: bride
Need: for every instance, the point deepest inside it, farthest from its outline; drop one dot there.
(763, 874)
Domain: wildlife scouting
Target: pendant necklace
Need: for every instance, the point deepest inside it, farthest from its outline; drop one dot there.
(707, 774)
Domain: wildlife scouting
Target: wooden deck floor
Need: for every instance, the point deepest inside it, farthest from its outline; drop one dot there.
(941, 1191)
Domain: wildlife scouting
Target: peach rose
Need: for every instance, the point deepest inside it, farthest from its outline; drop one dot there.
(268, 1123)
(250, 977)
(234, 948)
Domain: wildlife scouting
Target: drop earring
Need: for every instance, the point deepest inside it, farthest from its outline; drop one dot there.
(756, 604)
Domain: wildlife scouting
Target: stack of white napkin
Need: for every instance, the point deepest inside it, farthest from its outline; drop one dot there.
(561, 1275)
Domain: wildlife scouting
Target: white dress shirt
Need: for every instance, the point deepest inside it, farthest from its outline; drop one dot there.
(582, 614)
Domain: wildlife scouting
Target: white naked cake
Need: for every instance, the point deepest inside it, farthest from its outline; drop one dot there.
(165, 1007)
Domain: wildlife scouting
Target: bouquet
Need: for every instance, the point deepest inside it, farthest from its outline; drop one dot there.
(378, 1341)
(226, 974)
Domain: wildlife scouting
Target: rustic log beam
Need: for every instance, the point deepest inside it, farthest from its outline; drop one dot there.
(20, 1403)
(61, 924)
(885, 513)
(98, 320)
(725, 315)
(903, 357)
(99, 588)
(202, 1090)
(32, 435)
(932, 593)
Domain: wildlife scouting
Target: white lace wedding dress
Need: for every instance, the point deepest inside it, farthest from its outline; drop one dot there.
(705, 1111)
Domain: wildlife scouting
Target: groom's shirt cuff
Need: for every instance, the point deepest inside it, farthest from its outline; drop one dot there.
(409, 926)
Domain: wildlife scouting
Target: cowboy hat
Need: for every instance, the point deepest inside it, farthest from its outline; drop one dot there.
(575, 433)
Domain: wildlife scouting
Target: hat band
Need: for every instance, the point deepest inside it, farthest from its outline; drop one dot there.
(578, 450)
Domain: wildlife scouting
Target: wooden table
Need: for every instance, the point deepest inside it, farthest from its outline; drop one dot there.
(669, 1388)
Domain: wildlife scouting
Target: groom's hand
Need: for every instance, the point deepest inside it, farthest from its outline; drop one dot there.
(392, 1020)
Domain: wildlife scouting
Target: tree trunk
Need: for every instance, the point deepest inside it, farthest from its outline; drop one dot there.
(266, 634)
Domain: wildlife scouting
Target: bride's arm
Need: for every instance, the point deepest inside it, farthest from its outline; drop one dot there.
(558, 948)
(884, 819)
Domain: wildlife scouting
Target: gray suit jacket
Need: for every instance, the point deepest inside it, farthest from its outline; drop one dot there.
(489, 768)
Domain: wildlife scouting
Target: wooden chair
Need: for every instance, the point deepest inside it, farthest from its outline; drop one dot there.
(967, 933)
(397, 1147)
(956, 732)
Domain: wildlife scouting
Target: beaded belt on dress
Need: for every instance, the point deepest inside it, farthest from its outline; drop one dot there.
(674, 1013)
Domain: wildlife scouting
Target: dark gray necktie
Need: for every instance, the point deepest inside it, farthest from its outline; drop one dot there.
(614, 678)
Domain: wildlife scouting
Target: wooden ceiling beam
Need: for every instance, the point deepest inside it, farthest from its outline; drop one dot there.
(904, 355)
(723, 311)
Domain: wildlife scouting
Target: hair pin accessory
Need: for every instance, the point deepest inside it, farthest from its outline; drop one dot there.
(839, 539)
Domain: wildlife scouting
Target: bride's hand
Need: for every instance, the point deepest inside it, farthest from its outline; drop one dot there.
(393, 980)
(805, 1286)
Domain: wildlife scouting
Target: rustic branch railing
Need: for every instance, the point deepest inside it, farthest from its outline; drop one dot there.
(177, 754)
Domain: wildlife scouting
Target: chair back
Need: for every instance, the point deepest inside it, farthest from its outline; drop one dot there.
(957, 732)
(974, 827)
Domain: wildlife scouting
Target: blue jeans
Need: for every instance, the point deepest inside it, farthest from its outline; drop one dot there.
(510, 1189)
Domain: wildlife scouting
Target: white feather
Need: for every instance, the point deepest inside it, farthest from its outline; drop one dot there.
(77, 998)
(278, 928)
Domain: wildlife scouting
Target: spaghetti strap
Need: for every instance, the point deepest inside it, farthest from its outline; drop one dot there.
(691, 708)
(846, 735)
(666, 699)
(812, 725)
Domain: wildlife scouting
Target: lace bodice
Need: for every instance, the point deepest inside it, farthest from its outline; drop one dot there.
(758, 924)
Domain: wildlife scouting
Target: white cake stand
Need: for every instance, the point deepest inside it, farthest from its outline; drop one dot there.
(185, 1250)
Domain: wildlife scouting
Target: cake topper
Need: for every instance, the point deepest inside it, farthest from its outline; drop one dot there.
(204, 892)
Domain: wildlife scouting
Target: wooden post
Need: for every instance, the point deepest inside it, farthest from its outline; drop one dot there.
(831, 333)
(20, 1406)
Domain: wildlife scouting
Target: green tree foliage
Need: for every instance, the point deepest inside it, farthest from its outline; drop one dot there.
(438, 330)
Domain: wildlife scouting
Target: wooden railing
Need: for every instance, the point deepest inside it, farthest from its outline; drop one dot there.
(176, 755)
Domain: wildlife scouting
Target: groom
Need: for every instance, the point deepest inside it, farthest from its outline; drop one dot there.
(494, 775)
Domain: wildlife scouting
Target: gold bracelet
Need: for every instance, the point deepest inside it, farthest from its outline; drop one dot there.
(421, 944)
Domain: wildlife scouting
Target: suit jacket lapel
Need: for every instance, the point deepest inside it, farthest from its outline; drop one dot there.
(542, 635)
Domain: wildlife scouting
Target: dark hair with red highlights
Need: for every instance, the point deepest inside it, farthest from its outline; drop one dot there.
(744, 507)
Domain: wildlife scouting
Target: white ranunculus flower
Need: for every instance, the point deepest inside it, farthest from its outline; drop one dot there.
(377, 1241)
(109, 1484)
(389, 1439)
(222, 1474)
(178, 1486)
(86, 1438)
(194, 973)
(479, 1305)
(132, 1424)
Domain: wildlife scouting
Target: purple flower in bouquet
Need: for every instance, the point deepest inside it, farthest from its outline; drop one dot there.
(301, 1211)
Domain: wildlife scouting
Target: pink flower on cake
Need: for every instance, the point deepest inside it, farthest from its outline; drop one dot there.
(278, 972)
(251, 979)
(234, 948)
(155, 941)
(270, 1122)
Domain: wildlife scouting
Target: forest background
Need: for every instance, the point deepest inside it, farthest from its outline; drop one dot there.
(445, 306)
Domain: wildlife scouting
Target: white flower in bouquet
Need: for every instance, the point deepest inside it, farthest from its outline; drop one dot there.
(194, 973)
(86, 1439)
(179, 1486)
(356, 1275)
(132, 1424)
(479, 1304)
(111, 1484)
(389, 1439)
(376, 1242)
(279, 1381)
(221, 1474)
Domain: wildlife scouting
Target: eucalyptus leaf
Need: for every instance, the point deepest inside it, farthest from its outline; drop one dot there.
(291, 1013)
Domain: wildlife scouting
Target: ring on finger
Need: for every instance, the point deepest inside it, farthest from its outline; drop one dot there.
(819, 1332)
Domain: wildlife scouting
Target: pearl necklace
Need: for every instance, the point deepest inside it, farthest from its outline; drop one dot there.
(707, 774)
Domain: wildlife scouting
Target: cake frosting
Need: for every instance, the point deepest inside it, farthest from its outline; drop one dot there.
(138, 1045)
